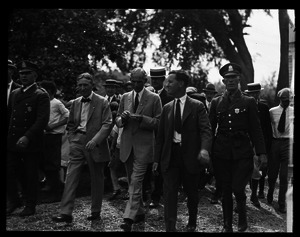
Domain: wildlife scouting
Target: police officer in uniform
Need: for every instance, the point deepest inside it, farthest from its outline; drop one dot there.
(30, 110)
(235, 123)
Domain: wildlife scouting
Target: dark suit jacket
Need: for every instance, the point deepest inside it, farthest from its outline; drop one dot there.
(265, 122)
(30, 113)
(98, 126)
(196, 134)
(164, 97)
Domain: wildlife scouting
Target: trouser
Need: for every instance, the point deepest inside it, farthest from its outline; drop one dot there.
(29, 163)
(278, 165)
(158, 186)
(135, 204)
(234, 176)
(78, 156)
(173, 178)
(52, 160)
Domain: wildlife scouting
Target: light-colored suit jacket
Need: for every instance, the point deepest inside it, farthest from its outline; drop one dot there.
(196, 134)
(98, 125)
(139, 136)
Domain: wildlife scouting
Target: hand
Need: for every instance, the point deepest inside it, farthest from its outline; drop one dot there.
(22, 142)
(262, 161)
(203, 157)
(90, 145)
(48, 128)
(154, 168)
(125, 116)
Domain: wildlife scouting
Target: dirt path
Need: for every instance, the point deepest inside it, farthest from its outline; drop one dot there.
(265, 219)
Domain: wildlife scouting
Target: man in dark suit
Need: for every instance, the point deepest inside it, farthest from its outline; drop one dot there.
(158, 76)
(30, 110)
(235, 123)
(88, 127)
(254, 90)
(111, 86)
(11, 84)
(182, 145)
(138, 115)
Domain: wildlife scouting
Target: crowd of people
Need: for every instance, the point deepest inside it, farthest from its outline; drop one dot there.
(164, 137)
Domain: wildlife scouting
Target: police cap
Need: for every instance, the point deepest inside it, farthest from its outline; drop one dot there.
(230, 69)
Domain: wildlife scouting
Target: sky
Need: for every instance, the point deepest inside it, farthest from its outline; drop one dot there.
(263, 43)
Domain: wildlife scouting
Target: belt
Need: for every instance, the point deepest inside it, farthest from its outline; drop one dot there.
(79, 131)
(281, 138)
(176, 143)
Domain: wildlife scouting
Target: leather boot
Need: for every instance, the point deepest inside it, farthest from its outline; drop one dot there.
(242, 221)
(227, 205)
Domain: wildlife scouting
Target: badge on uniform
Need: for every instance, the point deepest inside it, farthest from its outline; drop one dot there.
(236, 111)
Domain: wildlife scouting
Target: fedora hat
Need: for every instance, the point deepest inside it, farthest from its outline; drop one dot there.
(11, 65)
(157, 72)
(210, 88)
(253, 87)
(285, 94)
(111, 82)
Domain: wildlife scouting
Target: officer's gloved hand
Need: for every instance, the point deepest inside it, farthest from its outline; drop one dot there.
(203, 157)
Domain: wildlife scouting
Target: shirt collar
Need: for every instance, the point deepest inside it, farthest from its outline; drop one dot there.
(140, 93)
(182, 99)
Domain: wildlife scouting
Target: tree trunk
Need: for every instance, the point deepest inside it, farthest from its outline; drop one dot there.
(232, 43)
(283, 76)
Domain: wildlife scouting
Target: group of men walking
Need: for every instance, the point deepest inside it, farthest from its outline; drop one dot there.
(166, 129)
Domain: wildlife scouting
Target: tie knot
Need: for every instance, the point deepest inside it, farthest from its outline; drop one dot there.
(84, 100)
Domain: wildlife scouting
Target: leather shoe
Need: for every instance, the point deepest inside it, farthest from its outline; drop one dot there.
(255, 201)
(190, 228)
(63, 218)
(282, 209)
(153, 204)
(270, 198)
(12, 207)
(93, 216)
(227, 230)
(261, 195)
(27, 211)
(114, 195)
(139, 218)
(126, 225)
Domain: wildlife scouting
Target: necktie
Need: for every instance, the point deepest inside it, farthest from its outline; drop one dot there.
(108, 98)
(281, 124)
(136, 102)
(156, 91)
(84, 100)
(178, 117)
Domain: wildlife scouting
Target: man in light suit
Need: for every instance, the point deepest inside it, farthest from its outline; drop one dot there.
(181, 148)
(139, 118)
(88, 127)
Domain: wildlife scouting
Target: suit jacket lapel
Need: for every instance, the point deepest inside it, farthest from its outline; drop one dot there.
(187, 109)
(130, 102)
(77, 112)
(92, 108)
(171, 115)
(143, 101)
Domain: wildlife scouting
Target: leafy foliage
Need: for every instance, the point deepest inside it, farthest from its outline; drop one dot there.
(64, 42)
